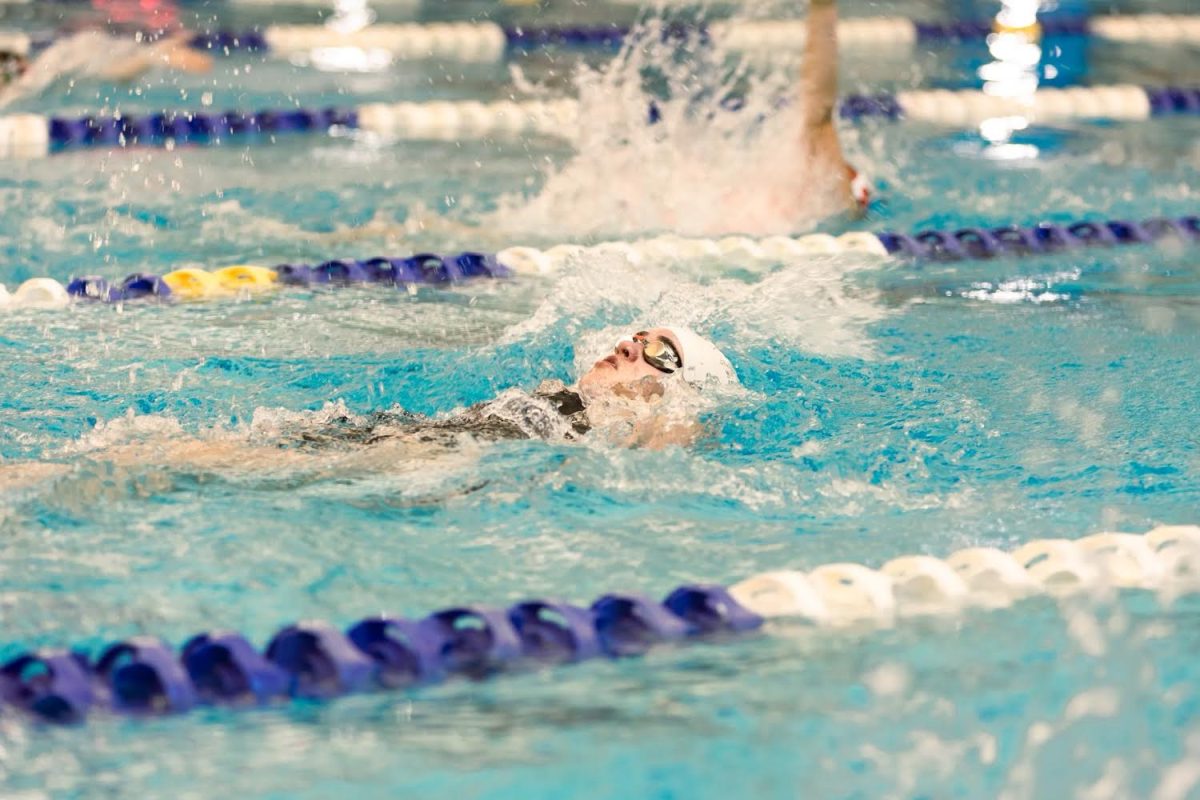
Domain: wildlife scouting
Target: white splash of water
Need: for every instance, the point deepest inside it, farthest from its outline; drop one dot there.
(127, 428)
(702, 169)
(808, 304)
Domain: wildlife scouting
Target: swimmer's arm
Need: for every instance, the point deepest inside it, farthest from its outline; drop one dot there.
(174, 52)
(127, 69)
(175, 453)
(819, 89)
(818, 82)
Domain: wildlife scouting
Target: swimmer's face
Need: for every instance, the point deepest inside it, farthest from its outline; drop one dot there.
(626, 372)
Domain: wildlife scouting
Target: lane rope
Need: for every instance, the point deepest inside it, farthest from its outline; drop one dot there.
(143, 676)
(489, 41)
(971, 243)
(34, 136)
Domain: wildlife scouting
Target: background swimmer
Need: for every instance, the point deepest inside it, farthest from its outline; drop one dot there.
(774, 168)
(95, 54)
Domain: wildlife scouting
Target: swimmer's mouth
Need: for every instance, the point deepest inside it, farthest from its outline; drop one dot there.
(610, 361)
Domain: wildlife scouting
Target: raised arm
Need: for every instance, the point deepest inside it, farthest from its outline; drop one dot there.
(818, 83)
(819, 97)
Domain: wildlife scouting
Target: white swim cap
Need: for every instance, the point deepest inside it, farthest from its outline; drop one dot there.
(703, 363)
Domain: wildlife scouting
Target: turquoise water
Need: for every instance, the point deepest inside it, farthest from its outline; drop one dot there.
(888, 410)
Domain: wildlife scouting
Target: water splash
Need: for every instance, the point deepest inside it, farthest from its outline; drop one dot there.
(811, 304)
(703, 168)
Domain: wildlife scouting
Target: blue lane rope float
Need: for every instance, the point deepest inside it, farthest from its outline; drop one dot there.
(983, 243)
(32, 135)
(485, 41)
(143, 676)
(971, 243)
(191, 127)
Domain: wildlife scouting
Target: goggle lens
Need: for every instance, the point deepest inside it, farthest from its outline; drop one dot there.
(658, 352)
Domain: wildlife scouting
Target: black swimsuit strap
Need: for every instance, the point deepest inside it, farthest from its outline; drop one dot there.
(566, 402)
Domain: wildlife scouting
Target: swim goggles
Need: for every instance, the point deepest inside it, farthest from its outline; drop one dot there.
(658, 352)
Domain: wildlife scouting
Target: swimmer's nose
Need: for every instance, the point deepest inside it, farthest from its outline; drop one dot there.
(628, 350)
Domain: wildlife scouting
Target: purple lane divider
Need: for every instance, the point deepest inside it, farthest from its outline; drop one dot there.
(142, 676)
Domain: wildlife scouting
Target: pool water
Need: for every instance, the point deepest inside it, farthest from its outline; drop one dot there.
(887, 409)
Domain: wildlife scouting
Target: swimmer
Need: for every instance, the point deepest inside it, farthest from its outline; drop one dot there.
(95, 54)
(626, 396)
(796, 180)
(642, 394)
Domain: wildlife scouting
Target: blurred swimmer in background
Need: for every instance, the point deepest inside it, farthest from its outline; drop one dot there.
(776, 167)
(118, 40)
